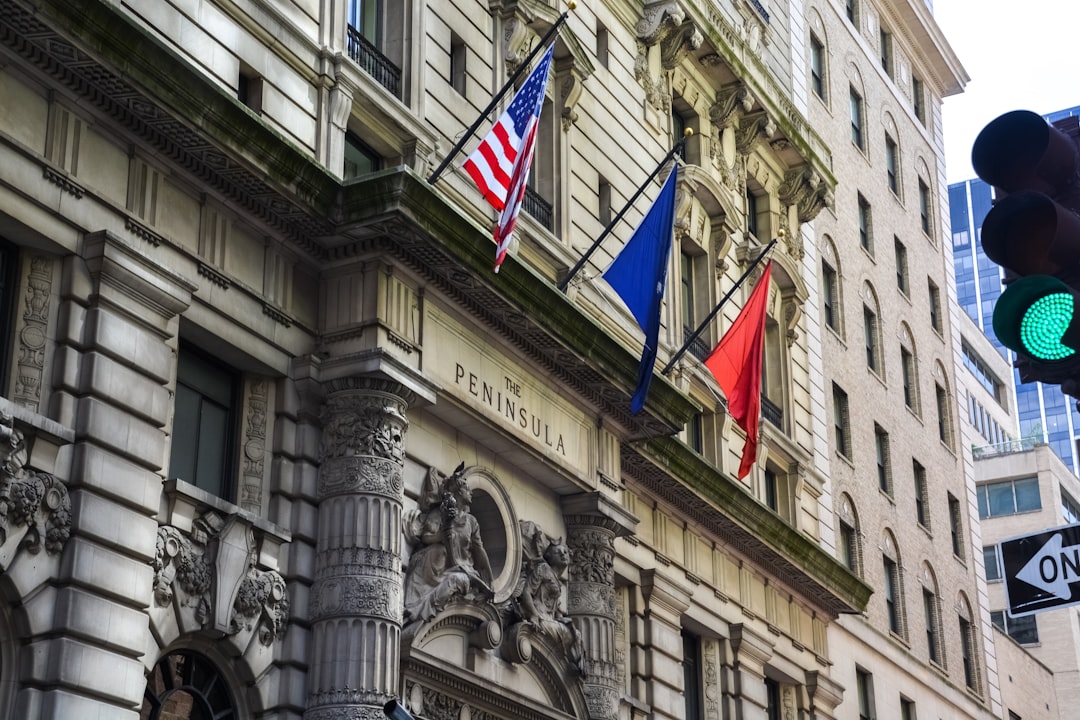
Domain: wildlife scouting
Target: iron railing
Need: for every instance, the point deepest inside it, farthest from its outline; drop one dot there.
(374, 63)
(772, 412)
(538, 207)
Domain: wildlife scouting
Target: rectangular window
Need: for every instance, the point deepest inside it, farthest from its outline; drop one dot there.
(1070, 511)
(851, 10)
(941, 399)
(907, 366)
(935, 305)
(992, 561)
(866, 234)
(924, 207)
(773, 708)
(885, 50)
(602, 41)
(751, 213)
(892, 596)
(603, 197)
(678, 128)
(817, 67)
(892, 164)
(359, 158)
(930, 616)
(881, 449)
(249, 88)
(967, 649)
(204, 423)
(770, 491)
(1024, 630)
(921, 499)
(870, 332)
(856, 119)
(692, 676)
(830, 296)
(907, 709)
(686, 268)
(918, 99)
(364, 17)
(901, 265)
(695, 433)
(864, 688)
(956, 527)
(840, 421)
(9, 267)
(1008, 497)
(458, 54)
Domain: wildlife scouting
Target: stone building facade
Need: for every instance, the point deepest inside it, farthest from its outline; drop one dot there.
(278, 443)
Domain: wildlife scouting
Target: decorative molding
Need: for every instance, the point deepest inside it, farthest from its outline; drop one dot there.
(62, 180)
(34, 332)
(276, 315)
(214, 275)
(142, 232)
(35, 510)
(363, 423)
(254, 445)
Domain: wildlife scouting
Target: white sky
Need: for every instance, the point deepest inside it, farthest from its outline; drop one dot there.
(1020, 56)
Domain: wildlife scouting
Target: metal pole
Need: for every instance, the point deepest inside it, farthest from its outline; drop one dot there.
(611, 226)
(711, 315)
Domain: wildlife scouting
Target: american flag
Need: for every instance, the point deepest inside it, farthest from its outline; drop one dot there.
(500, 164)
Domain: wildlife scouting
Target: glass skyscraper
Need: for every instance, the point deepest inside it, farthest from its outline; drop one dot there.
(1044, 413)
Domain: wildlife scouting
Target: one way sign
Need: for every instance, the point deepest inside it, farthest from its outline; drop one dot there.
(1042, 570)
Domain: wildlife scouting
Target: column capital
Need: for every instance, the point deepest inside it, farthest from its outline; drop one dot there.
(597, 509)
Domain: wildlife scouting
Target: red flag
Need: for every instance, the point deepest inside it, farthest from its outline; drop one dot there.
(736, 365)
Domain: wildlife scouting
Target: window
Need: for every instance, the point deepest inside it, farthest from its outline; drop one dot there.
(603, 196)
(967, 649)
(840, 421)
(539, 200)
(773, 709)
(892, 596)
(921, 498)
(864, 688)
(602, 41)
(1008, 497)
(851, 10)
(370, 44)
(1024, 630)
(907, 709)
(992, 562)
(918, 99)
(932, 617)
(907, 366)
(9, 268)
(892, 164)
(1070, 511)
(359, 158)
(866, 235)
(870, 332)
(941, 398)
(830, 296)
(956, 527)
(695, 433)
(249, 88)
(924, 207)
(684, 118)
(935, 305)
(901, 265)
(817, 66)
(885, 46)
(849, 548)
(686, 268)
(857, 119)
(751, 212)
(458, 53)
(770, 490)
(185, 684)
(982, 372)
(204, 423)
(881, 448)
(692, 675)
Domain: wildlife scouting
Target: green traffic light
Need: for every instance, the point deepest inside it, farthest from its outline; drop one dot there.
(1035, 316)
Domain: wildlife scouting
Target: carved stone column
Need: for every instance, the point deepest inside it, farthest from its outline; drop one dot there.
(356, 599)
(593, 521)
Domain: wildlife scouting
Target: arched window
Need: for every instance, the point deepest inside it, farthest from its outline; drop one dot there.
(909, 369)
(935, 648)
(186, 686)
(849, 542)
(872, 332)
(969, 644)
(832, 314)
(892, 586)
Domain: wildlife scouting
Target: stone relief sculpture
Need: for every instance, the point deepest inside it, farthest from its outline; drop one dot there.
(448, 561)
(32, 502)
(537, 600)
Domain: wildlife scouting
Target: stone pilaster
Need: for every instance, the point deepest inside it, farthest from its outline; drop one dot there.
(665, 602)
(356, 600)
(751, 652)
(593, 521)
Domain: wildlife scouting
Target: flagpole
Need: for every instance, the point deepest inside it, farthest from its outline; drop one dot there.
(711, 315)
(611, 226)
(542, 45)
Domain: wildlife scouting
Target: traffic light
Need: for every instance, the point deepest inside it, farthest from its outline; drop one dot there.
(1033, 232)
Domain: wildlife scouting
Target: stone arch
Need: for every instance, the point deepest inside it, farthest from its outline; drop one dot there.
(193, 677)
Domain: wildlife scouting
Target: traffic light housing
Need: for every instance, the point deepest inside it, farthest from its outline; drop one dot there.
(1033, 232)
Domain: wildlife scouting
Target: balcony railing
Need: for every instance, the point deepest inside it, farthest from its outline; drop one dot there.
(374, 63)
(538, 207)
(772, 412)
(699, 348)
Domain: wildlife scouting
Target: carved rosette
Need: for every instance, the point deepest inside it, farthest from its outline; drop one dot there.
(357, 598)
(33, 505)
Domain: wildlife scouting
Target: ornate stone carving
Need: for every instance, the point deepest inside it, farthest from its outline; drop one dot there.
(657, 90)
(220, 553)
(536, 606)
(593, 551)
(32, 335)
(685, 39)
(254, 446)
(449, 560)
(31, 502)
(732, 102)
(517, 42)
(804, 188)
(364, 424)
(570, 89)
(658, 19)
(661, 21)
(752, 131)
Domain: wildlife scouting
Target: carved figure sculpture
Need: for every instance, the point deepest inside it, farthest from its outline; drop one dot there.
(30, 500)
(537, 600)
(449, 560)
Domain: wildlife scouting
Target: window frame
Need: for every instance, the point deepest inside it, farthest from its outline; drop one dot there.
(881, 458)
(830, 294)
(817, 67)
(866, 224)
(900, 251)
(922, 499)
(858, 136)
(892, 164)
(841, 422)
(956, 527)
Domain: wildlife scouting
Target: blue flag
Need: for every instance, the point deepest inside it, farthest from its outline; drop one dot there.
(638, 276)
